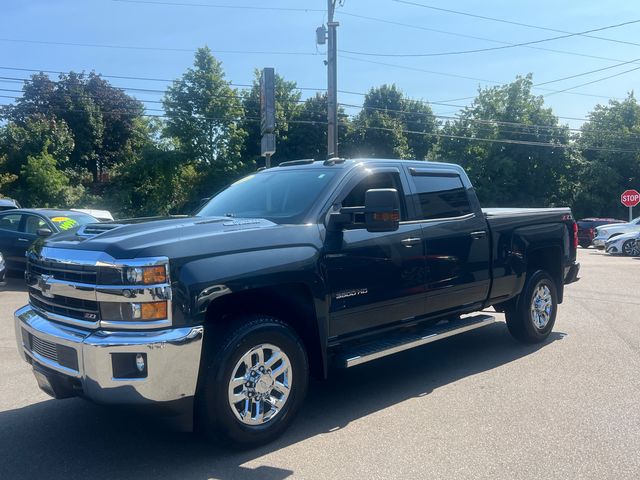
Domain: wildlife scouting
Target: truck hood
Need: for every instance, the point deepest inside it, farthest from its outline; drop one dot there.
(175, 237)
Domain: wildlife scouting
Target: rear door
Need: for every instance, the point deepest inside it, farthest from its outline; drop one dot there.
(10, 245)
(456, 240)
(374, 278)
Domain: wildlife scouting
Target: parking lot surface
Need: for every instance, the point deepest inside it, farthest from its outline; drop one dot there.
(478, 405)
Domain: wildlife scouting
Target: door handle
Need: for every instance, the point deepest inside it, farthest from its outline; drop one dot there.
(23, 239)
(478, 234)
(409, 242)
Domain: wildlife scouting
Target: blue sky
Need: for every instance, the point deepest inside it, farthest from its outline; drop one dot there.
(436, 78)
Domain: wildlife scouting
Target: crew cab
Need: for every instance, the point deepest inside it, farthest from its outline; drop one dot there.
(295, 270)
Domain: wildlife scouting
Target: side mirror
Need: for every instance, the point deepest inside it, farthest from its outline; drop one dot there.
(382, 210)
(44, 232)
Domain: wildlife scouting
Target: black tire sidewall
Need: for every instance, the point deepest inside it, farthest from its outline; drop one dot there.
(531, 331)
(630, 243)
(214, 409)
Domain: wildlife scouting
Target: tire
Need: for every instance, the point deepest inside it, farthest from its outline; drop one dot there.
(526, 324)
(630, 248)
(585, 244)
(225, 423)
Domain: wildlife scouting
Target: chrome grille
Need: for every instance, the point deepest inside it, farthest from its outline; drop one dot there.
(44, 348)
(69, 307)
(64, 271)
(89, 289)
(61, 354)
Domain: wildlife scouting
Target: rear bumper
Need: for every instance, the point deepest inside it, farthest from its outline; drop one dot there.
(571, 273)
(69, 361)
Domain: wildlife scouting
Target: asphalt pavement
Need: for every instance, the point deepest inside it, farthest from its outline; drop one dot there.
(478, 405)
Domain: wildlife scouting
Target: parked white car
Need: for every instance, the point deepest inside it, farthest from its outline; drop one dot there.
(605, 232)
(625, 244)
(101, 215)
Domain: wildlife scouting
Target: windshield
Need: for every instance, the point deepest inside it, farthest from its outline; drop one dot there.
(279, 196)
(67, 221)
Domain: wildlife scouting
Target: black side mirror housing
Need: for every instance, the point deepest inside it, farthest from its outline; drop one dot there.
(44, 232)
(382, 210)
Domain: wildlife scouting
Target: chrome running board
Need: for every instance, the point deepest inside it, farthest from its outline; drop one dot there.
(395, 343)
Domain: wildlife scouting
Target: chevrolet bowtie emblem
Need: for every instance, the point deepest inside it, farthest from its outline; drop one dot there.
(44, 285)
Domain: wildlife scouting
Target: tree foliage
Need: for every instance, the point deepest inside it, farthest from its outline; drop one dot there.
(79, 141)
(204, 115)
(513, 159)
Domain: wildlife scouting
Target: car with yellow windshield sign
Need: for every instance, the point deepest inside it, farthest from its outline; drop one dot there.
(19, 228)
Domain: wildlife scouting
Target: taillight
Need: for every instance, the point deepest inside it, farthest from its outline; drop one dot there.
(575, 235)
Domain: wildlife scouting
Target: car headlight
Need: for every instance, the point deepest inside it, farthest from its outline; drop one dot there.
(147, 275)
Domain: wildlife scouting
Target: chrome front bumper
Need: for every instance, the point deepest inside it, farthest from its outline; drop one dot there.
(172, 359)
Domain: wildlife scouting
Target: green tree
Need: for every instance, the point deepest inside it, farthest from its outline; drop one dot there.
(47, 185)
(45, 143)
(308, 130)
(518, 173)
(609, 143)
(204, 115)
(100, 117)
(392, 126)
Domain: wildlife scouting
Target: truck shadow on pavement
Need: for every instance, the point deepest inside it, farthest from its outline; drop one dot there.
(76, 439)
(13, 283)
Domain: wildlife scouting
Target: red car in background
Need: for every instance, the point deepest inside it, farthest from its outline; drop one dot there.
(587, 229)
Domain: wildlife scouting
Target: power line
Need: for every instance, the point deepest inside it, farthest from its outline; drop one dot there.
(520, 24)
(410, 132)
(475, 37)
(416, 69)
(596, 80)
(489, 49)
(512, 125)
(209, 5)
(506, 141)
(159, 49)
(149, 79)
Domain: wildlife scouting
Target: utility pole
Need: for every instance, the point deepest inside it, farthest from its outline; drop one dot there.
(332, 82)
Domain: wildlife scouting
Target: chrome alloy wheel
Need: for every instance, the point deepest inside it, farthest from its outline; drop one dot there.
(630, 248)
(260, 384)
(541, 306)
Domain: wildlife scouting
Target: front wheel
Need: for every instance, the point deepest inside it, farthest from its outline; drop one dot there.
(254, 383)
(630, 248)
(532, 317)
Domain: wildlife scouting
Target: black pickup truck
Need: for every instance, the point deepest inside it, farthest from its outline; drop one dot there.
(288, 272)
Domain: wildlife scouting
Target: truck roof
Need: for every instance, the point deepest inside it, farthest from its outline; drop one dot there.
(351, 162)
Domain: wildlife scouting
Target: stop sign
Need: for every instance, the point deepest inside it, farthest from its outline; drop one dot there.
(630, 198)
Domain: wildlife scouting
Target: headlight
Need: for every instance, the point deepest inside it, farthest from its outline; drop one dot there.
(147, 275)
(149, 311)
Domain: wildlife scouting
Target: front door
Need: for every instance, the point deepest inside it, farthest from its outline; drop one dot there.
(9, 240)
(375, 278)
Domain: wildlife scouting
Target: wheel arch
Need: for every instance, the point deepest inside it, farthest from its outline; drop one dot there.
(293, 303)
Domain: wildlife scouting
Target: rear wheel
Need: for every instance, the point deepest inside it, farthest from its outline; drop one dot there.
(254, 383)
(585, 244)
(531, 318)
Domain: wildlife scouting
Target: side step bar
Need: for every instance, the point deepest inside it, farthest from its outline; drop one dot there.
(404, 341)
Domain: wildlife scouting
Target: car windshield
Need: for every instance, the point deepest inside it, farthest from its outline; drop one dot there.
(279, 196)
(67, 221)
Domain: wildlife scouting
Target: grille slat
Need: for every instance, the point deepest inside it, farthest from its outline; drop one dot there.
(61, 354)
(75, 308)
(44, 348)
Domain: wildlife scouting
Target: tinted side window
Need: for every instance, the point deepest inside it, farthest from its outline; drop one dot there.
(441, 196)
(33, 223)
(10, 222)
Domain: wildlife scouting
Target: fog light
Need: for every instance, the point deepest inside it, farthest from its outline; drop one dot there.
(140, 362)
